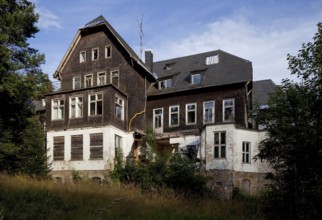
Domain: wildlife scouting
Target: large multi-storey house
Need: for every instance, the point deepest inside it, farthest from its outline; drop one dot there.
(198, 106)
(100, 106)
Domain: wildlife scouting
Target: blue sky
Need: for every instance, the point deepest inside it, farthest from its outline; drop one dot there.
(261, 31)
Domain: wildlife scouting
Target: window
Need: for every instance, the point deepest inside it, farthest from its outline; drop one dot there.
(169, 66)
(220, 145)
(191, 114)
(59, 143)
(192, 151)
(119, 108)
(77, 147)
(88, 80)
(76, 82)
(165, 84)
(229, 109)
(158, 118)
(246, 152)
(115, 78)
(118, 145)
(174, 115)
(57, 109)
(108, 52)
(208, 112)
(95, 54)
(96, 146)
(101, 78)
(82, 57)
(212, 60)
(96, 104)
(196, 78)
(76, 107)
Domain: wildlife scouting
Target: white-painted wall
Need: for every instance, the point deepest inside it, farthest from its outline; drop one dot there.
(184, 141)
(106, 163)
(234, 140)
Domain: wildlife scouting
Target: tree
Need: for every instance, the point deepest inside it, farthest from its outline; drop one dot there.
(294, 145)
(21, 81)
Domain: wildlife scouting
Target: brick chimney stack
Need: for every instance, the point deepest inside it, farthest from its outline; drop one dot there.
(149, 60)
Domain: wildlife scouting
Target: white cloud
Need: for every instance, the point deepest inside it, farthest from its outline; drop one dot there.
(265, 46)
(47, 19)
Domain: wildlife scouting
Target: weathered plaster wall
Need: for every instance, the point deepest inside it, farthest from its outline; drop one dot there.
(107, 163)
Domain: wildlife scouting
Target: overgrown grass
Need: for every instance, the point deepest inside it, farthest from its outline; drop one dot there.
(25, 198)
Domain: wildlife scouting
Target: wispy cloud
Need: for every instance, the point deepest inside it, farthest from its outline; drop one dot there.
(47, 19)
(265, 46)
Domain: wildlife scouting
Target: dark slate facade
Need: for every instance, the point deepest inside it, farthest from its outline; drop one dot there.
(221, 76)
(98, 49)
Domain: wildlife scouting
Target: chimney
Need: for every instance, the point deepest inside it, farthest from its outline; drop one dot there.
(149, 60)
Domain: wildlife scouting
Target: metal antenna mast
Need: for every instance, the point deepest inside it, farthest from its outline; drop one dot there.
(141, 36)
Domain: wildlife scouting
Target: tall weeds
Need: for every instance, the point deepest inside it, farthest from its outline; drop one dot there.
(25, 198)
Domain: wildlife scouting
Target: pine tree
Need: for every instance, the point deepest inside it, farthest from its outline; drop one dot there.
(21, 81)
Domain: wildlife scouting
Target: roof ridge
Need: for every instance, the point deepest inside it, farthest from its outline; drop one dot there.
(100, 19)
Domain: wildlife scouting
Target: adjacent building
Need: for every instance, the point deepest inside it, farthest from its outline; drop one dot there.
(198, 106)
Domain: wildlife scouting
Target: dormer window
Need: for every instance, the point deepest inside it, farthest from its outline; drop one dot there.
(82, 57)
(195, 78)
(169, 66)
(95, 54)
(165, 84)
(212, 60)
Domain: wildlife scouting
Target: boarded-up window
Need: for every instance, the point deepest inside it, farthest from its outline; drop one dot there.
(96, 146)
(59, 148)
(77, 147)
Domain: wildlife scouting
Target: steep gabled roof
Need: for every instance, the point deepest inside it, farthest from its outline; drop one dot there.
(224, 69)
(261, 91)
(100, 21)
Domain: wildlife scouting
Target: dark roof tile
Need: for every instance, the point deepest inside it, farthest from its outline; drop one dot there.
(229, 70)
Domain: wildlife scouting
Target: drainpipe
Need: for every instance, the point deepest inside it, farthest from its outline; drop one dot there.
(139, 113)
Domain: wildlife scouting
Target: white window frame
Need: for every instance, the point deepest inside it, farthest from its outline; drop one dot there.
(193, 78)
(115, 74)
(57, 110)
(212, 59)
(171, 112)
(227, 106)
(119, 103)
(205, 121)
(165, 84)
(188, 111)
(77, 82)
(95, 102)
(159, 115)
(246, 152)
(82, 56)
(220, 145)
(93, 54)
(108, 47)
(101, 78)
(88, 78)
(77, 105)
(118, 144)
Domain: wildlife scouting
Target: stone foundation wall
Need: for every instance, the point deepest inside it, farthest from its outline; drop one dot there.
(222, 182)
(66, 176)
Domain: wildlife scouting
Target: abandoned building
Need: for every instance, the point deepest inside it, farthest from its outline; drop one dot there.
(109, 97)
